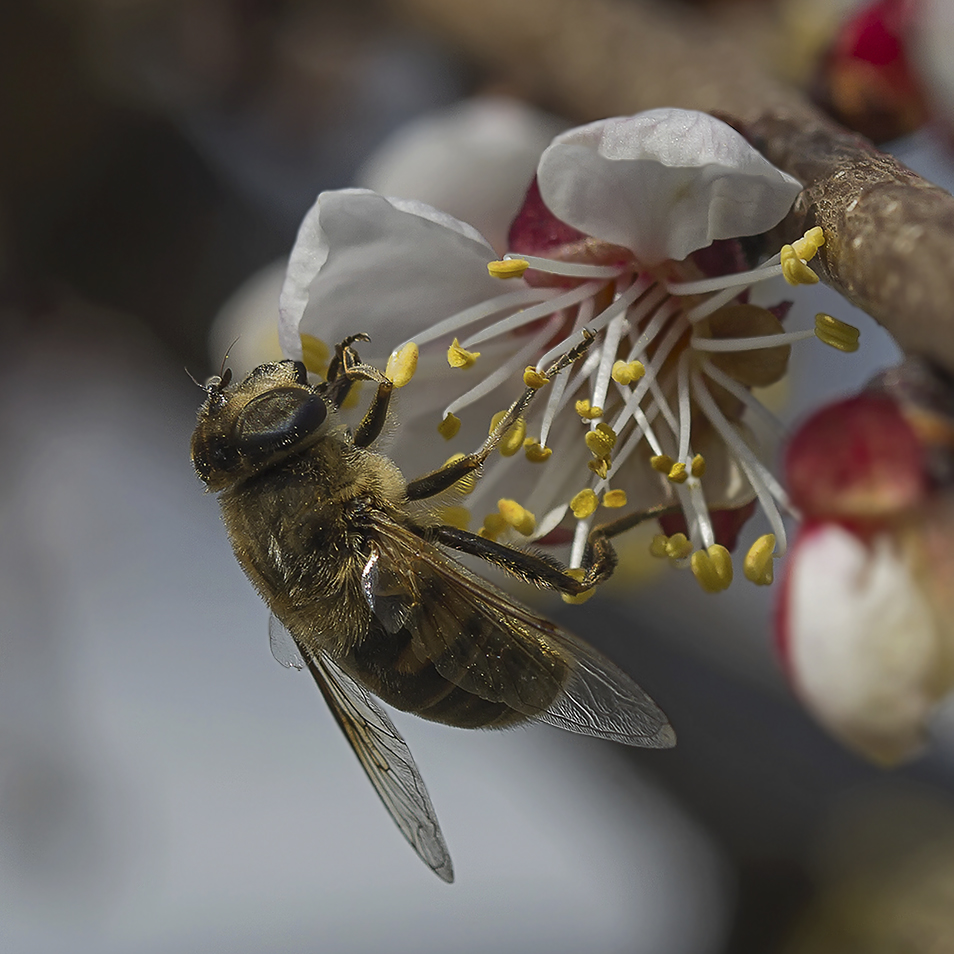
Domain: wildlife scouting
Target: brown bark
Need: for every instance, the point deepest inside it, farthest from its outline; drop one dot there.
(890, 234)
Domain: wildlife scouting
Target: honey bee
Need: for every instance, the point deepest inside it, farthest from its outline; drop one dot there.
(354, 565)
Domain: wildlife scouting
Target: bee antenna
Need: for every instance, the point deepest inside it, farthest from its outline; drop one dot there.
(225, 373)
(193, 380)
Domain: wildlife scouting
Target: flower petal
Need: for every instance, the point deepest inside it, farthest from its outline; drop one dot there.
(662, 183)
(388, 267)
(859, 637)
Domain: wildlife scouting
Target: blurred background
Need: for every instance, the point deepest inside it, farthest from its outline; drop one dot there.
(164, 785)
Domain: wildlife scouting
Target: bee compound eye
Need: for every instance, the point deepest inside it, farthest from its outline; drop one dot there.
(277, 419)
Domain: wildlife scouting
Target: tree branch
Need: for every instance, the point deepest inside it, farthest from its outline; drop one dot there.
(890, 234)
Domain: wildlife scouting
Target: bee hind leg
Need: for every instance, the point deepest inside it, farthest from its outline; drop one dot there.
(599, 559)
(445, 477)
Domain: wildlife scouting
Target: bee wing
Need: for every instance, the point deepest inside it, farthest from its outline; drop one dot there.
(282, 644)
(387, 761)
(487, 643)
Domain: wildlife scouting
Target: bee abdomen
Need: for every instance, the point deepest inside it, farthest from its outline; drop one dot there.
(386, 664)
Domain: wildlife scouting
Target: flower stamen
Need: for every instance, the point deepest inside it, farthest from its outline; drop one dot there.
(835, 333)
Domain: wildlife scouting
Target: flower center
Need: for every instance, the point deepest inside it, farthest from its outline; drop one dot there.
(659, 398)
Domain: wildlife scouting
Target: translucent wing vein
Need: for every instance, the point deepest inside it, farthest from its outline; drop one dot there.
(387, 760)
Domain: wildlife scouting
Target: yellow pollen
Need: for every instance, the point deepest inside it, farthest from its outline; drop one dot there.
(518, 517)
(661, 462)
(601, 440)
(808, 245)
(507, 268)
(578, 573)
(614, 499)
(758, 566)
(627, 372)
(533, 378)
(698, 465)
(513, 437)
(449, 427)
(712, 568)
(678, 474)
(658, 544)
(835, 333)
(315, 354)
(600, 467)
(584, 504)
(587, 411)
(678, 546)
(794, 270)
(456, 517)
(494, 525)
(458, 357)
(402, 364)
(465, 484)
(535, 451)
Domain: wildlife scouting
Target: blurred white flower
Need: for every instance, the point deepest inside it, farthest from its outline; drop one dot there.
(473, 160)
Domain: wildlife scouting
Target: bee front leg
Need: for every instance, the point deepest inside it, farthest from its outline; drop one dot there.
(444, 477)
(345, 370)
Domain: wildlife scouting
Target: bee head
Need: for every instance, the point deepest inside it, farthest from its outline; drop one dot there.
(243, 428)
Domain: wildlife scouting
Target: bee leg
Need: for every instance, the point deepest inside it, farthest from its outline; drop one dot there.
(345, 369)
(538, 569)
(444, 477)
(375, 417)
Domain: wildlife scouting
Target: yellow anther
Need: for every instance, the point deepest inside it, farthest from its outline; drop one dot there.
(794, 270)
(449, 427)
(808, 245)
(518, 517)
(614, 499)
(627, 372)
(661, 462)
(712, 568)
(533, 378)
(698, 466)
(456, 517)
(584, 504)
(513, 437)
(601, 440)
(835, 333)
(458, 357)
(758, 566)
(678, 546)
(678, 474)
(578, 573)
(587, 411)
(657, 546)
(507, 268)
(402, 364)
(494, 525)
(535, 451)
(465, 484)
(600, 466)
(354, 396)
(315, 354)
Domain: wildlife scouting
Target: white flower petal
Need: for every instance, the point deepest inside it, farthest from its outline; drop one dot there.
(473, 160)
(662, 183)
(388, 267)
(861, 641)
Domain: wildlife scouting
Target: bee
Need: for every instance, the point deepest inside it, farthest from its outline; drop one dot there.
(357, 571)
